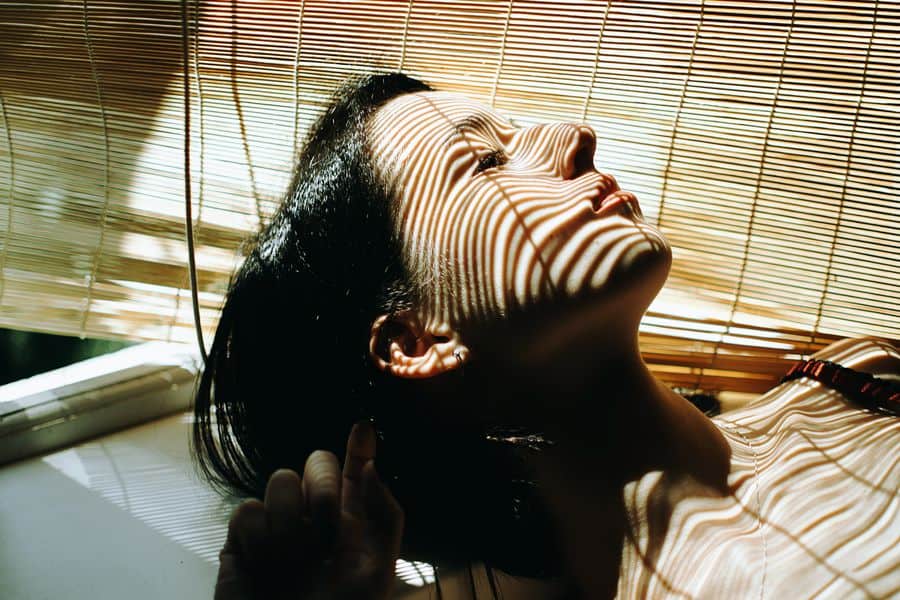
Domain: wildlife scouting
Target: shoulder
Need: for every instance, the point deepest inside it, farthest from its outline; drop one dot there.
(809, 400)
(822, 472)
(868, 354)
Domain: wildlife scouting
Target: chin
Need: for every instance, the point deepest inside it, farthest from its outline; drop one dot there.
(594, 324)
(603, 312)
(633, 272)
(610, 295)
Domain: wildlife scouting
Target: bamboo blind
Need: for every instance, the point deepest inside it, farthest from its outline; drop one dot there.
(761, 137)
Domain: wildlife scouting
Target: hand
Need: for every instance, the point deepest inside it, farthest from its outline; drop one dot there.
(327, 536)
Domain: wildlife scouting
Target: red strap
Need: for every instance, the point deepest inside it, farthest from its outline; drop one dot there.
(871, 392)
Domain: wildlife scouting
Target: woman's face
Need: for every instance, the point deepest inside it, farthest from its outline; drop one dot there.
(498, 217)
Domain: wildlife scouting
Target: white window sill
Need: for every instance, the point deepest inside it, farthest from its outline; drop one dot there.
(96, 396)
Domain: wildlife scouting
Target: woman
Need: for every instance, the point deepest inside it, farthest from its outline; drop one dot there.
(475, 289)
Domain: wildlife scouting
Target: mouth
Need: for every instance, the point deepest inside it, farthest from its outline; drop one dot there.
(617, 201)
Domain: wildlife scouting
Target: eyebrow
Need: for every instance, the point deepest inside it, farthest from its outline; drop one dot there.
(470, 122)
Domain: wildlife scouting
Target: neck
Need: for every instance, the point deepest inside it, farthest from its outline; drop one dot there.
(612, 421)
(612, 425)
(606, 411)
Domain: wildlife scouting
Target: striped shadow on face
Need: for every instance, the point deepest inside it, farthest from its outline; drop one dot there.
(498, 218)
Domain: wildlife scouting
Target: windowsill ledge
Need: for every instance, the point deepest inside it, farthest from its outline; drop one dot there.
(96, 396)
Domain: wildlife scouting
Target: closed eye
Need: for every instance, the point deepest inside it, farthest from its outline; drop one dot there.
(490, 161)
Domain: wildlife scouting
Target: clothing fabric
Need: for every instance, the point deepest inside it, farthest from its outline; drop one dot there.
(815, 511)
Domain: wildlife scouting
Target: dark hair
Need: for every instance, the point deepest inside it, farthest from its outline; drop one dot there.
(289, 372)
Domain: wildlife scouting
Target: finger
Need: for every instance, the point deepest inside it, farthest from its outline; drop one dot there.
(284, 512)
(385, 516)
(322, 491)
(247, 534)
(232, 581)
(360, 450)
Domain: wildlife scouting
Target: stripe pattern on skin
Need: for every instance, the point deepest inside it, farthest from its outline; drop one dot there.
(815, 511)
(502, 217)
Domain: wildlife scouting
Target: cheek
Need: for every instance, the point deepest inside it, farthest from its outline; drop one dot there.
(459, 167)
(484, 252)
(489, 244)
(517, 246)
(453, 235)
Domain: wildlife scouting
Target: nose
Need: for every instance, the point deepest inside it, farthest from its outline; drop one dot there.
(579, 158)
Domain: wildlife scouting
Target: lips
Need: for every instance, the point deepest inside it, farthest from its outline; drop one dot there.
(616, 200)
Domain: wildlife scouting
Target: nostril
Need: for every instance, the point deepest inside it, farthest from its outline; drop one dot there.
(583, 159)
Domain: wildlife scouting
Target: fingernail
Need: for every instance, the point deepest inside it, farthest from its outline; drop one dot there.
(370, 471)
(365, 427)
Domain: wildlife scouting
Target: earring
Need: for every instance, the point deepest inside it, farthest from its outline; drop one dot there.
(459, 360)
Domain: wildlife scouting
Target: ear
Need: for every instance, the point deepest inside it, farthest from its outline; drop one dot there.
(400, 345)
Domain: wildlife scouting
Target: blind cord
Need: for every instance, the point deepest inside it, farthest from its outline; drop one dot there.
(188, 218)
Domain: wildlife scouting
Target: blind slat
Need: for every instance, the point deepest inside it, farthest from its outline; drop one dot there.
(759, 136)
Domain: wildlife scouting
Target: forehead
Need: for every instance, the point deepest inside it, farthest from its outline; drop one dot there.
(411, 124)
(435, 110)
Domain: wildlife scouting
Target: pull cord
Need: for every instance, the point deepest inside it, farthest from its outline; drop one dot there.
(188, 218)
